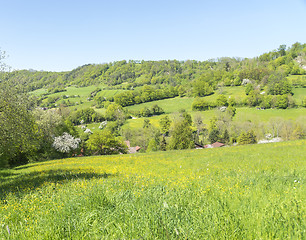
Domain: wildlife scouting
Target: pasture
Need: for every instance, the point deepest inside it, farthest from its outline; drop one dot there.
(242, 192)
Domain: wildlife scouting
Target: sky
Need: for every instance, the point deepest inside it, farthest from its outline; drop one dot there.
(60, 35)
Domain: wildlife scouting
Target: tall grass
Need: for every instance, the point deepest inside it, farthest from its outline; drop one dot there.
(245, 192)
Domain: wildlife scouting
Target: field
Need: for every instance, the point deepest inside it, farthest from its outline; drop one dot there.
(174, 105)
(242, 114)
(299, 95)
(78, 95)
(170, 105)
(242, 192)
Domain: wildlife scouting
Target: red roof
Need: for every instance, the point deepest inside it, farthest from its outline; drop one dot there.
(217, 144)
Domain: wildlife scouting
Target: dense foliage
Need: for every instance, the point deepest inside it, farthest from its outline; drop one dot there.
(18, 131)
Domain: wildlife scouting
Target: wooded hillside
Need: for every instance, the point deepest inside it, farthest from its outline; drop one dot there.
(128, 74)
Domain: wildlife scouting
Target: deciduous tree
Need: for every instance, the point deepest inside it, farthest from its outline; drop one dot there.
(104, 143)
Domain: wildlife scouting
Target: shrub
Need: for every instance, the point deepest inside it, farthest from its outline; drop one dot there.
(247, 138)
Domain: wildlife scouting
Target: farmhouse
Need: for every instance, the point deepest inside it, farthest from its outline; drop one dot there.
(215, 145)
(132, 149)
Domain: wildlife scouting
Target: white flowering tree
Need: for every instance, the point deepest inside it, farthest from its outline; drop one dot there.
(66, 143)
(87, 130)
(103, 125)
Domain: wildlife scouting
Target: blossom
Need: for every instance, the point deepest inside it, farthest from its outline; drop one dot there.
(66, 143)
(88, 131)
(103, 125)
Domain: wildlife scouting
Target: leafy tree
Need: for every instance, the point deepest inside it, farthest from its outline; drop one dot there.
(200, 104)
(304, 102)
(181, 91)
(187, 118)
(222, 100)
(104, 143)
(181, 136)
(295, 70)
(231, 101)
(298, 132)
(157, 110)
(164, 124)
(202, 88)
(125, 99)
(231, 111)
(281, 101)
(163, 144)
(253, 99)
(114, 112)
(146, 123)
(278, 85)
(153, 145)
(266, 102)
(18, 131)
(198, 122)
(249, 88)
(237, 81)
(225, 137)
(275, 125)
(214, 135)
(282, 50)
(87, 115)
(145, 112)
(247, 138)
(227, 82)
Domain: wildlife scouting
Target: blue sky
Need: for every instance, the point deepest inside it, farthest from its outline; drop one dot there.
(60, 35)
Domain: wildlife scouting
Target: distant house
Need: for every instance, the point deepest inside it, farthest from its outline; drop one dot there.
(132, 149)
(214, 145)
(217, 144)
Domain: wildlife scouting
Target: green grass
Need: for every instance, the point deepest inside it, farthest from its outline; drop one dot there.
(82, 92)
(293, 78)
(242, 114)
(39, 91)
(169, 105)
(237, 92)
(138, 122)
(176, 104)
(254, 115)
(244, 192)
(299, 94)
(110, 93)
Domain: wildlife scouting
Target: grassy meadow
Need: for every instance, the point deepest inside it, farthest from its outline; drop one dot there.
(174, 105)
(242, 192)
(169, 105)
(242, 114)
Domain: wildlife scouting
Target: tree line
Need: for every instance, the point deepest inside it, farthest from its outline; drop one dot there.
(226, 71)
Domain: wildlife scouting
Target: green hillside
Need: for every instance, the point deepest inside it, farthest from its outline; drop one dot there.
(245, 192)
(157, 105)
